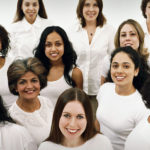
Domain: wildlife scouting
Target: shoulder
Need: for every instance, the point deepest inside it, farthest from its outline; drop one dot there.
(76, 72)
(48, 145)
(100, 141)
(14, 27)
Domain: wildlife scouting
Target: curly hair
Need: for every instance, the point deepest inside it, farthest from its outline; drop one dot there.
(69, 57)
(21, 66)
(5, 41)
(138, 61)
(143, 7)
(4, 116)
(19, 13)
(101, 20)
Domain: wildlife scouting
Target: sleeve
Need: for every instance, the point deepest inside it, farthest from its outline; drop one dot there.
(105, 66)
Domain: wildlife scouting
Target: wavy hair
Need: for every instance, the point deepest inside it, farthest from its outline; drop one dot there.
(5, 41)
(69, 57)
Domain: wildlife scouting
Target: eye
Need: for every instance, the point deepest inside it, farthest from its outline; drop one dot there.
(132, 34)
(35, 80)
(95, 5)
(48, 45)
(80, 116)
(123, 35)
(126, 66)
(67, 115)
(114, 66)
(35, 4)
(27, 4)
(21, 82)
(86, 5)
(58, 44)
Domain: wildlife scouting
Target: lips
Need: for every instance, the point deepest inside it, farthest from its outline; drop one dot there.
(120, 78)
(72, 131)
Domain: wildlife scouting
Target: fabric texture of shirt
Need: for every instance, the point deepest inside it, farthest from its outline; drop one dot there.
(25, 36)
(98, 142)
(139, 137)
(90, 56)
(38, 123)
(118, 115)
(8, 98)
(15, 137)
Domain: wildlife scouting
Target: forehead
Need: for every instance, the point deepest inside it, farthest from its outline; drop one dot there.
(122, 57)
(29, 75)
(74, 107)
(128, 27)
(30, 1)
(90, 1)
(54, 36)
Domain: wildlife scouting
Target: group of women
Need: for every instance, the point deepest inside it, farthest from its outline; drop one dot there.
(81, 89)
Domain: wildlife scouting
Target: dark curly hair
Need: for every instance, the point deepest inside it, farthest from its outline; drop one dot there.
(69, 57)
(4, 116)
(5, 41)
(138, 61)
(143, 7)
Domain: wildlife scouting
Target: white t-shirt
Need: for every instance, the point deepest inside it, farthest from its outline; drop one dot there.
(37, 123)
(8, 98)
(25, 36)
(98, 142)
(118, 115)
(139, 138)
(15, 137)
(54, 89)
(90, 56)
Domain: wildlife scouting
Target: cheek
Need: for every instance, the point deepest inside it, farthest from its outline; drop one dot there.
(62, 122)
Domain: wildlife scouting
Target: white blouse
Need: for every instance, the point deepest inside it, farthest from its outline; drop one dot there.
(25, 36)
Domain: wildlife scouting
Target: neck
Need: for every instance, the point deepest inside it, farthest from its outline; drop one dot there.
(2, 61)
(28, 105)
(90, 24)
(125, 90)
(148, 25)
(72, 143)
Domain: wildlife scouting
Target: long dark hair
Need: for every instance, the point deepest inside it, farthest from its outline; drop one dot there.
(69, 57)
(72, 94)
(138, 61)
(4, 116)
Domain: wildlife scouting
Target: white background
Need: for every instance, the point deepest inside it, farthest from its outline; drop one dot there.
(63, 12)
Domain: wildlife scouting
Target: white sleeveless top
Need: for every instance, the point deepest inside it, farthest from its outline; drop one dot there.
(54, 89)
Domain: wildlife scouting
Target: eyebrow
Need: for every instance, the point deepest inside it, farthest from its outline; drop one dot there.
(122, 63)
(70, 113)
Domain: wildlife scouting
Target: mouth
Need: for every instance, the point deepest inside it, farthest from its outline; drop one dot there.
(30, 91)
(120, 78)
(72, 131)
(128, 44)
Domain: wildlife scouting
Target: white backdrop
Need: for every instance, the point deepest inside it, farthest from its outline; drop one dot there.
(63, 12)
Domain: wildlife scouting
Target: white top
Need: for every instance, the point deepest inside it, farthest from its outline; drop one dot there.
(25, 36)
(117, 114)
(98, 142)
(8, 98)
(139, 137)
(37, 123)
(15, 137)
(147, 35)
(54, 89)
(90, 56)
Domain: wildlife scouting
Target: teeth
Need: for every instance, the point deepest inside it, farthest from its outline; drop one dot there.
(29, 92)
(54, 54)
(72, 131)
(120, 78)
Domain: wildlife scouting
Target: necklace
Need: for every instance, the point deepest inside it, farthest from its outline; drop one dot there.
(91, 34)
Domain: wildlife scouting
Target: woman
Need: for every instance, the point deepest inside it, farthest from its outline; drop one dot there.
(5, 61)
(92, 39)
(26, 78)
(29, 22)
(141, 134)
(145, 7)
(9, 130)
(73, 125)
(120, 104)
(59, 58)
(129, 33)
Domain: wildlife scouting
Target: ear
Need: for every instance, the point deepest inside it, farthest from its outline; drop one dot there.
(136, 72)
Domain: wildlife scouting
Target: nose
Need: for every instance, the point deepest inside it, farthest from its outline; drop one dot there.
(53, 48)
(29, 85)
(120, 69)
(128, 37)
(91, 8)
(72, 122)
(30, 7)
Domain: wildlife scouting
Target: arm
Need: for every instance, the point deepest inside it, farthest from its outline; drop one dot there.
(103, 80)
(77, 77)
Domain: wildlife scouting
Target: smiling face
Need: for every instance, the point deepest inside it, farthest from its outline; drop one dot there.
(30, 9)
(129, 37)
(123, 70)
(54, 47)
(28, 86)
(90, 10)
(73, 121)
